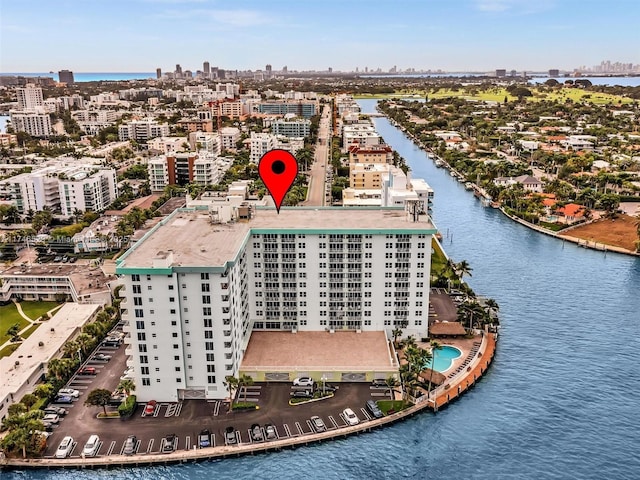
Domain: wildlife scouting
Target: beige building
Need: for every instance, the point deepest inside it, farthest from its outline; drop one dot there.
(370, 154)
(367, 176)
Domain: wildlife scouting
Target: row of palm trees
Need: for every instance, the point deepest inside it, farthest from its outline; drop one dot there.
(416, 360)
(234, 384)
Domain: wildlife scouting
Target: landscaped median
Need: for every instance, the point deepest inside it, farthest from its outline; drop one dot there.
(302, 400)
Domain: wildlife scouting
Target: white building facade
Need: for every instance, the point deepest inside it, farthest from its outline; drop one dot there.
(195, 287)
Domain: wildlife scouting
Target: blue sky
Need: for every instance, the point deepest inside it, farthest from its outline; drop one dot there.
(452, 35)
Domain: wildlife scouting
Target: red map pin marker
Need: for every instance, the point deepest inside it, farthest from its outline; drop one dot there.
(278, 169)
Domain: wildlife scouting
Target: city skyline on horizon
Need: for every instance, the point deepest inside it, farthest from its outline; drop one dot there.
(460, 36)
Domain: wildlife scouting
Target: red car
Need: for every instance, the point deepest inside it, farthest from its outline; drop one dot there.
(87, 371)
(150, 407)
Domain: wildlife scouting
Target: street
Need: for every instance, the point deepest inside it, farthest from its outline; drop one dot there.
(317, 193)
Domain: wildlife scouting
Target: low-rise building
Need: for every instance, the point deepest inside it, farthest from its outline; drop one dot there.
(261, 143)
(142, 130)
(229, 136)
(291, 127)
(529, 183)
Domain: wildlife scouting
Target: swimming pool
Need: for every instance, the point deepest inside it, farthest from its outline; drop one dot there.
(444, 358)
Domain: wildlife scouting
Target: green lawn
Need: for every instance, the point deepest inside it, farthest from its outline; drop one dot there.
(9, 349)
(30, 330)
(9, 316)
(33, 310)
(438, 260)
(396, 405)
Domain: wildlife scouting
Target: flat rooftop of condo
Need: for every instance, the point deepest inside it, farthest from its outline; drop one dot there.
(195, 240)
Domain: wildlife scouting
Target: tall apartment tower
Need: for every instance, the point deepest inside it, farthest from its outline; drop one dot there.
(30, 97)
(178, 69)
(66, 76)
(158, 73)
(200, 282)
(206, 68)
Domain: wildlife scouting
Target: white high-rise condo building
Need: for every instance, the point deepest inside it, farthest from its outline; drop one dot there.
(35, 124)
(30, 97)
(199, 283)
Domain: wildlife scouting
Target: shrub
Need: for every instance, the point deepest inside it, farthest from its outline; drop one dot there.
(244, 406)
(127, 407)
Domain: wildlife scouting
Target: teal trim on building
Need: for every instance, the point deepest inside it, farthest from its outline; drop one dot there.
(345, 231)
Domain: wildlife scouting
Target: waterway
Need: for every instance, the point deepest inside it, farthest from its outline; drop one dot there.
(559, 402)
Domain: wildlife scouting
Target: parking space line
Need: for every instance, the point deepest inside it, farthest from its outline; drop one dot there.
(111, 447)
(216, 408)
(187, 442)
(365, 413)
(121, 448)
(299, 427)
(136, 447)
(238, 437)
(310, 426)
(249, 434)
(276, 429)
(213, 439)
(333, 420)
(157, 410)
(98, 450)
(177, 442)
(343, 419)
(286, 430)
(178, 410)
(75, 444)
(150, 446)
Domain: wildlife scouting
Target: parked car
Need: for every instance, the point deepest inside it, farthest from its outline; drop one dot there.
(374, 409)
(57, 259)
(270, 432)
(87, 371)
(230, 436)
(150, 407)
(303, 382)
(69, 392)
(302, 394)
(101, 357)
(327, 387)
(64, 399)
(112, 342)
(256, 433)
(204, 439)
(65, 447)
(379, 382)
(350, 417)
(41, 433)
(170, 443)
(55, 410)
(130, 445)
(318, 424)
(51, 418)
(73, 259)
(91, 447)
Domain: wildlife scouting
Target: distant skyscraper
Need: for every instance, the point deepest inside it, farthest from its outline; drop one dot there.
(268, 68)
(501, 72)
(65, 76)
(178, 69)
(284, 69)
(330, 70)
(554, 72)
(206, 68)
(158, 73)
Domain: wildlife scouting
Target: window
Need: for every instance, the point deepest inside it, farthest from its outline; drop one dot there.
(146, 382)
(173, 310)
(139, 313)
(208, 345)
(174, 334)
(149, 287)
(206, 311)
(177, 369)
(142, 348)
(208, 334)
(204, 276)
(211, 368)
(211, 379)
(176, 346)
(184, 298)
(206, 287)
(144, 370)
(172, 299)
(144, 359)
(135, 278)
(141, 336)
(210, 357)
(173, 323)
(137, 289)
(178, 380)
(208, 323)
(206, 299)
(170, 287)
(139, 324)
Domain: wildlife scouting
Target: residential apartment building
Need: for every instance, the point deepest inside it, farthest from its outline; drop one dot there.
(166, 145)
(363, 134)
(142, 130)
(371, 154)
(300, 108)
(29, 97)
(291, 127)
(261, 143)
(229, 136)
(63, 188)
(202, 281)
(186, 167)
(207, 142)
(35, 124)
(87, 189)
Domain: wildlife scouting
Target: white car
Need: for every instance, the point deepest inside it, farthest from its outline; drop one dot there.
(51, 418)
(91, 447)
(303, 382)
(65, 447)
(350, 417)
(68, 392)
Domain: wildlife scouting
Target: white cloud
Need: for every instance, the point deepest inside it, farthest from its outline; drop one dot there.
(233, 18)
(515, 6)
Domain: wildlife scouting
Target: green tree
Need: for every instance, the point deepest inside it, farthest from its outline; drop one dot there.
(43, 390)
(463, 268)
(21, 427)
(99, 398)
(127, 386)
(396, 333)
(231, 383)
(12, 332)
(243, 382)
(435, 347)
(391, 383)
(29, 400)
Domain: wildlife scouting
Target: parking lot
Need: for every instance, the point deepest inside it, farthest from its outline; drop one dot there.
(187, 419)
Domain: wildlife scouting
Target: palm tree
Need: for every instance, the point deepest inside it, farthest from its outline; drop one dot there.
(463, 268)
(127, 386)
(435, 346)
(21, 427)
(43, 390)
(392, 383)
(12, 332)
(60, 367)
(84, 342)
(29, 400)
(492, 306)
(231, 383)
(70, 348)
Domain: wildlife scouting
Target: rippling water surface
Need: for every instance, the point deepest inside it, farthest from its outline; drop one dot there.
(559, 402)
